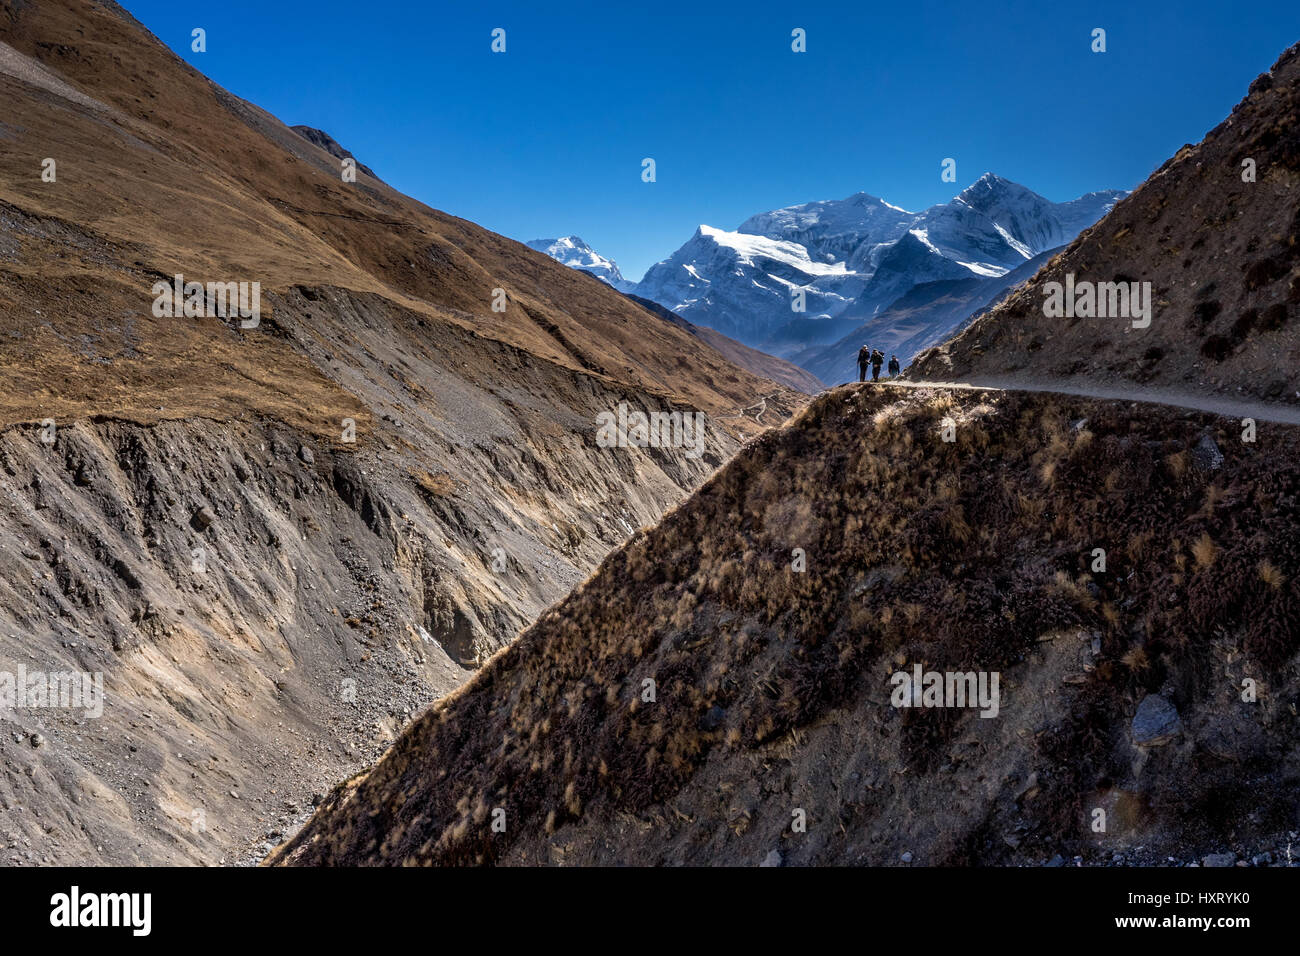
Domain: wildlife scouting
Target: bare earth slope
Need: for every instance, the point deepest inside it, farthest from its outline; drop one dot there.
(772, 687)
(267, 600)
(1222, 257)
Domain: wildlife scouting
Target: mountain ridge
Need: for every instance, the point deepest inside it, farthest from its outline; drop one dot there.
(851, 258)
(1223, 272)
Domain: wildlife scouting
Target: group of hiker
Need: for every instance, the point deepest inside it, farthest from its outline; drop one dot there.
(867, 356)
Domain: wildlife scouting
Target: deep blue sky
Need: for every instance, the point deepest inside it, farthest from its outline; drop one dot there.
(547, 139)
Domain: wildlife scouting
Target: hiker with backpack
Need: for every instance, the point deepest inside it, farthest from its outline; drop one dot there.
(893, 366)
(877, 360)
(864, 359)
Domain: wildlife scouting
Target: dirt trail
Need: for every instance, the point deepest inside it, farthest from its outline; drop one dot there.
(31, 71)
(1229, 408)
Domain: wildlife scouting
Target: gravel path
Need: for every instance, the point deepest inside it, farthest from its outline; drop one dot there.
(1230, 408)
(27, 70)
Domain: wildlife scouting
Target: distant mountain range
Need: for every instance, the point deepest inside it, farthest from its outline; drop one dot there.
(853, 259)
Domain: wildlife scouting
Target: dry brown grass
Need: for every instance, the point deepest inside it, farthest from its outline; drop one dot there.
(1135, 659)
(1178, 463)
(1270, 574)
(1204, 551)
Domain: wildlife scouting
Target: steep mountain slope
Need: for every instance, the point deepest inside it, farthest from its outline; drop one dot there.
(576, 254)
(274, 541)
(1220, 255)
(288, 222)
(703, 700)
(853, 257)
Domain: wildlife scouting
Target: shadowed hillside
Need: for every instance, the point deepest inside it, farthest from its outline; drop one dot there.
(772, 688)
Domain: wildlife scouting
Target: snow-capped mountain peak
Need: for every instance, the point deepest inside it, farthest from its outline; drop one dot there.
(1027, 221)
(853, 257)
(750, 249)
(991, 190)
(576, 254)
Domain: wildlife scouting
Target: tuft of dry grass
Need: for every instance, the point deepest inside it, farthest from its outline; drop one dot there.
(1136, 660)
(1204, 551)
(1213, 495)
(1139, 544)
(1270, 574)
(1178, 463)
